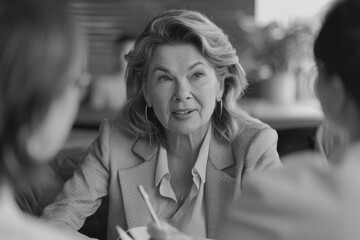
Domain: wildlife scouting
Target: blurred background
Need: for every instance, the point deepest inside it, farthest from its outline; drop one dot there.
(273, 40)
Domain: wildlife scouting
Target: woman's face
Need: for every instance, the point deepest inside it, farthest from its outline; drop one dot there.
(182, 88)
(54, 129)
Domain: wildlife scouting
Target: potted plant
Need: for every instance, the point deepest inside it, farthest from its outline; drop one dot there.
(276, 58)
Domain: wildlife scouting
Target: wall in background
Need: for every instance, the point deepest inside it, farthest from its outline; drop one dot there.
(103, 20)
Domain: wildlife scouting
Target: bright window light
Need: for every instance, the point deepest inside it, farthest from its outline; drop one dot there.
(286, 12)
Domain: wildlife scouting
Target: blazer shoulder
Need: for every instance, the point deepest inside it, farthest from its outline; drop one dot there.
(249, 126)
(253, 134)
(113, 130)
(256, 142)
(117, 143)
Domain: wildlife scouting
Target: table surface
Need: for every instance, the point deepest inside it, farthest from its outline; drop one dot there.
(299, 114)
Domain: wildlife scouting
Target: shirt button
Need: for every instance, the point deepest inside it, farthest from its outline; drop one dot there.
(195, 171)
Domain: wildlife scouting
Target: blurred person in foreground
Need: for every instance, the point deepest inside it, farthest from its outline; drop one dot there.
(42, 64)
(304, 201)
(181, 135)
(108, 92)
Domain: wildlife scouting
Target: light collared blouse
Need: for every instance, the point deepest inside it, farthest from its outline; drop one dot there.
(190, 217)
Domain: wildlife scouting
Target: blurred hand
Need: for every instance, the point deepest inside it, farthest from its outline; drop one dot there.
(166, 232)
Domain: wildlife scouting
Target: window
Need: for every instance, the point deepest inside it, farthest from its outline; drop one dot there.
(286, 12)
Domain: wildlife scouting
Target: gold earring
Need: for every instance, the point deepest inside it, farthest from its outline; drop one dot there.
(146, 110)
(221, 108)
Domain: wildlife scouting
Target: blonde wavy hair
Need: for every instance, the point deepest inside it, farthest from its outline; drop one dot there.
(183, 27)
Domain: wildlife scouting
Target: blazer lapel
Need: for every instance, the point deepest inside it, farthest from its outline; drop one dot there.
(220, 187)
(136, 211)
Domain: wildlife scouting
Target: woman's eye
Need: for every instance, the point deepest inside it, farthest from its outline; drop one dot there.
(164, 78)
(198, 75)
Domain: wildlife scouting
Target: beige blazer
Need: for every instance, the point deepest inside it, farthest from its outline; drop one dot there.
(117, 164)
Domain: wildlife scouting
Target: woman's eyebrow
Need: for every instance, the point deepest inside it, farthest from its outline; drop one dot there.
(164, 69)
(195, 64)
(160, 68)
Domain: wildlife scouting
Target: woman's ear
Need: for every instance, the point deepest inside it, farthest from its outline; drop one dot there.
(146, 95)
(345, 110)
(339, 94)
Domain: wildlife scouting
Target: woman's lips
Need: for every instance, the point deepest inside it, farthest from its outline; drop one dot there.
(183, 111)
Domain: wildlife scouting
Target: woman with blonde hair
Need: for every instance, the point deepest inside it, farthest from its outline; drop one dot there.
(181, 135)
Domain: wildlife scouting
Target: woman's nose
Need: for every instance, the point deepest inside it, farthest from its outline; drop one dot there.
(182, 92)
